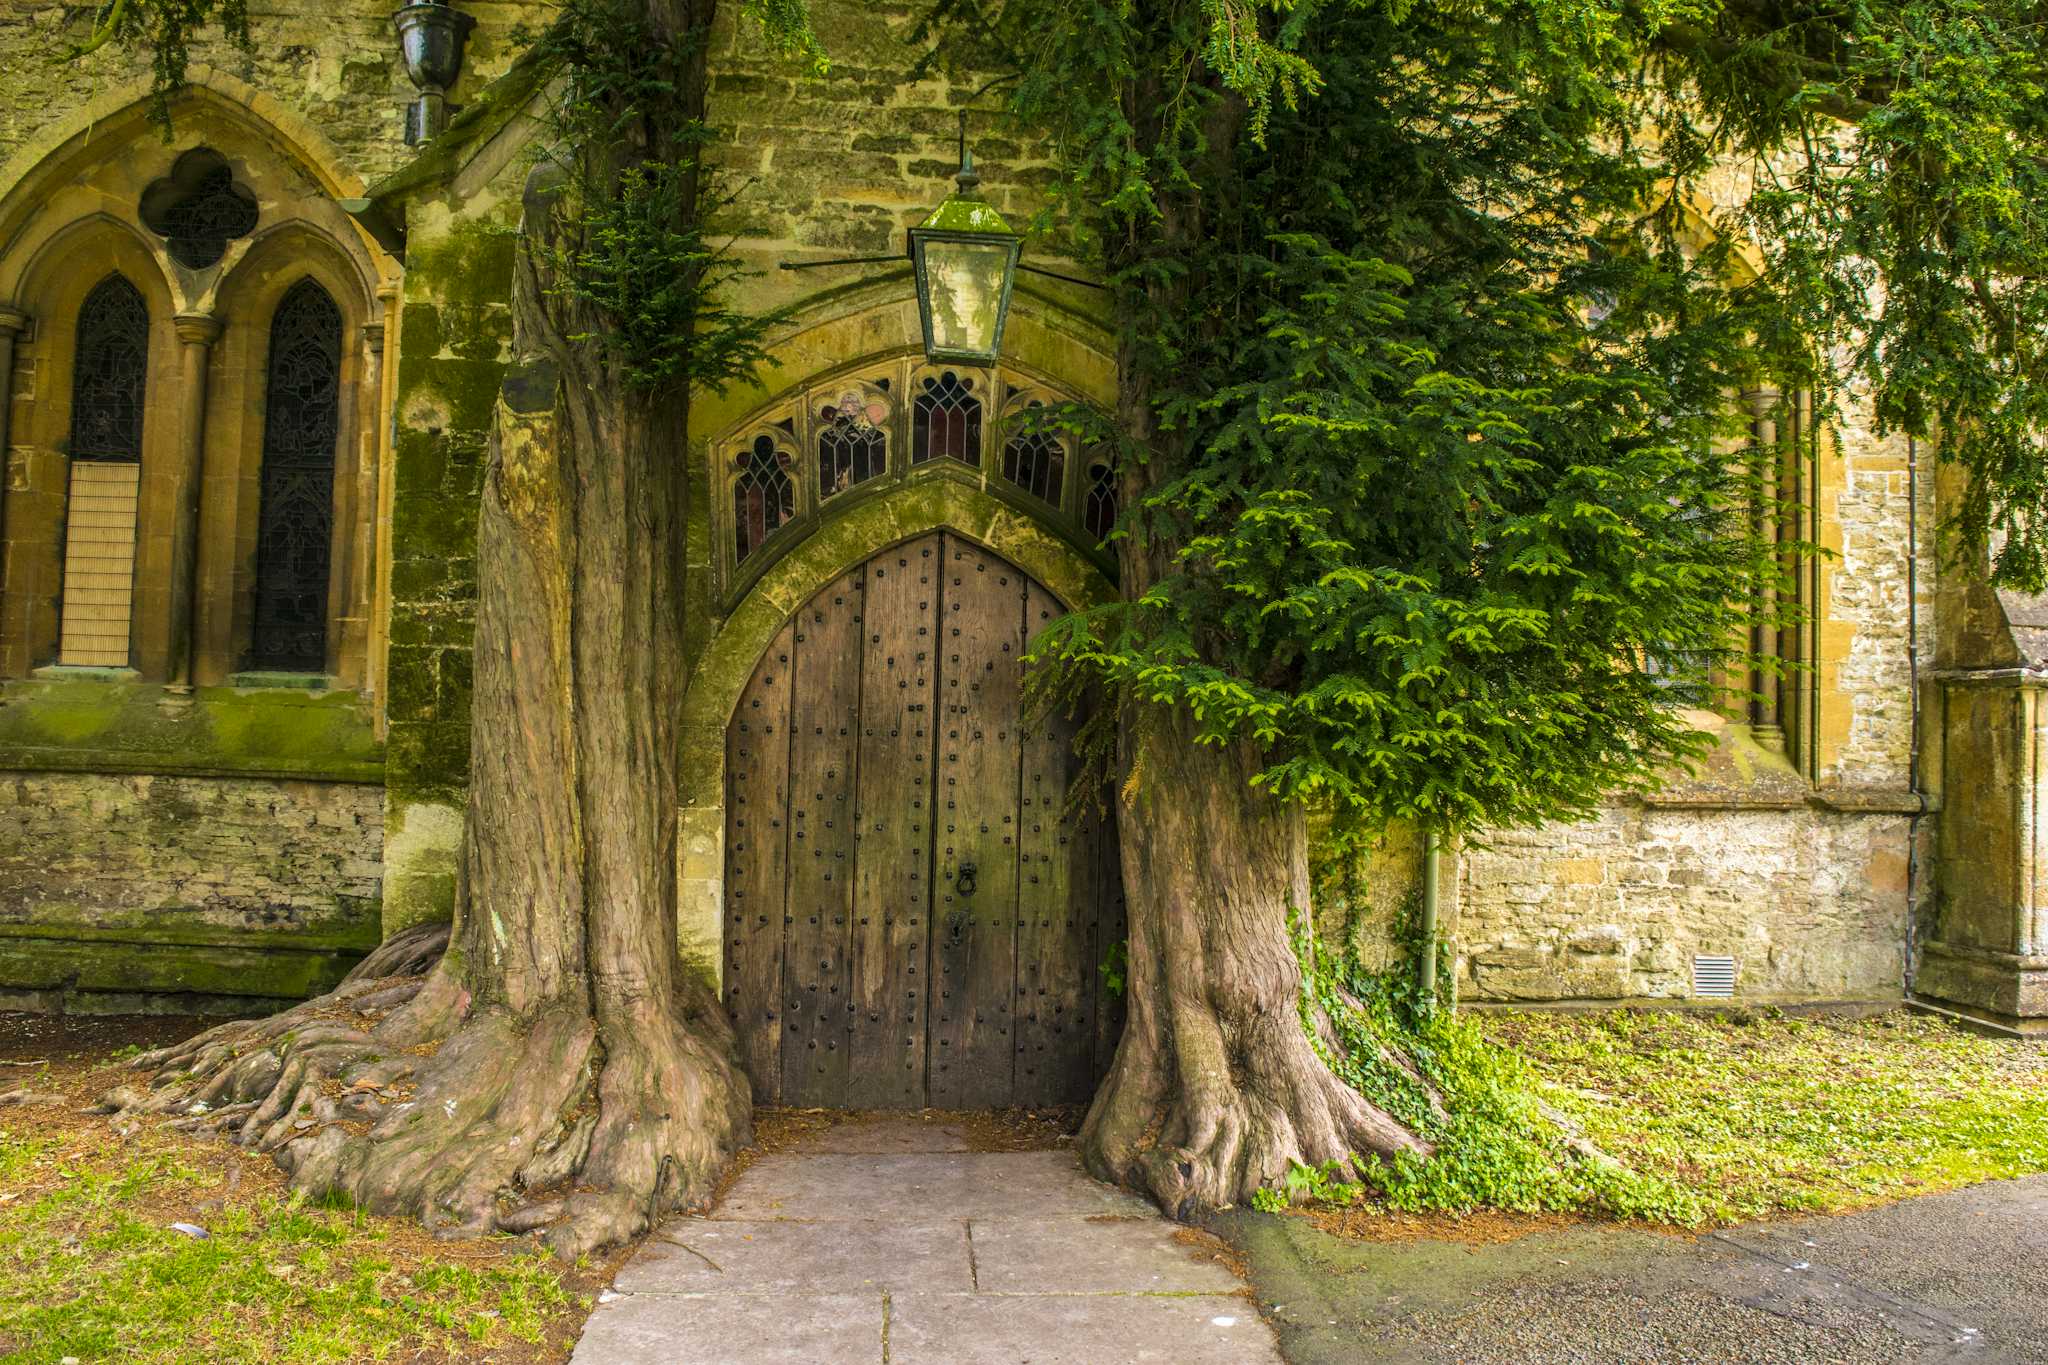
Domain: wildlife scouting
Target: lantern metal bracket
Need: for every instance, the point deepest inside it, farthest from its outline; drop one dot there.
(905, 257)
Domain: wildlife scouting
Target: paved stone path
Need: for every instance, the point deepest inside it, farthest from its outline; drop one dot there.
(890, 1241)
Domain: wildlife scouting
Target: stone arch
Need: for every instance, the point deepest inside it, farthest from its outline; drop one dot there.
(69, 265)
(248, 297)
(121, 112)
(76, 168)
(74, 195)
(727, 662)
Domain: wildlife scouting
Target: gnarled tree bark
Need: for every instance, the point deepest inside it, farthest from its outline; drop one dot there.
(555, 1069)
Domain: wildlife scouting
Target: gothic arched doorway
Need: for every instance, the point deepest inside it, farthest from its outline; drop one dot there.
(909, 919)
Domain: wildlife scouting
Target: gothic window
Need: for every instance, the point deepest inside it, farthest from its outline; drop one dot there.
(106, 385)
(1099, 506)
(945, 420)
(198, 209)
(763, 496)
(108, 374)
(1034, 459)
(295, 527)
(851, 445)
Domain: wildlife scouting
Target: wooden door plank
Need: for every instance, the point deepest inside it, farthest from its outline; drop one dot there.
(816, 1015)
(972, 1040)
(1056, 909)
(756, 854)
(893, 829)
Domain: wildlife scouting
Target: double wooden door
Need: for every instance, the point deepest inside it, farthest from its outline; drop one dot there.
(911, 918)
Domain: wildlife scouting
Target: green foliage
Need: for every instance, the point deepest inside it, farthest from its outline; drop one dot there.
(1692, 1118)
(1435, 362)
(1431, 492)
(1115, 967)
(625, 118)
(1494, 1146)
(1913, 249)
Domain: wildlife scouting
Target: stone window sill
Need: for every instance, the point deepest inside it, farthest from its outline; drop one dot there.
(85, 673)
(263, 679)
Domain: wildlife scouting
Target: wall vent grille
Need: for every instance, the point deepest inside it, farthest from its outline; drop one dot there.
(1713, 978)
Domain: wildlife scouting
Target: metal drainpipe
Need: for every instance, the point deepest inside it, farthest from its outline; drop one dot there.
(1432, 861)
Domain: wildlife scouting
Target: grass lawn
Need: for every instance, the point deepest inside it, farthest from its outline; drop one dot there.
(91, 1268)
(1756, 1114)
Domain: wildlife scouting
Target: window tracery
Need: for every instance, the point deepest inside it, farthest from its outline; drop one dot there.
(198, 209)
(295, 529)
(780, 471)
(1034, 456)
(853, 444)
(946, 419)
(1102, 503)
(763, 496)
(109, 373)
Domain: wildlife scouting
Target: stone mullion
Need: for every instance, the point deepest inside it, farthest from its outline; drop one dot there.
(13, 322)
(1797, 637)
(1766, 707)
(355, 493)
(377, 664)
(196, 335)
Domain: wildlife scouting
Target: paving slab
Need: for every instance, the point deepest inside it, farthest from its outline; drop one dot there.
(734, 1329)
(988, 1329)
(702, 1256)
(835, 1187)
(1092, 1255)
(830, 1255)
(886, 1137)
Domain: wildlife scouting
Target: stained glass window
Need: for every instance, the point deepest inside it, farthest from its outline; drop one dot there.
(1099, 507)
(295, 527)
(945, 420)
(198, 209)
(1034, 459)
(763, 497)
(106, 383)
(851, 446)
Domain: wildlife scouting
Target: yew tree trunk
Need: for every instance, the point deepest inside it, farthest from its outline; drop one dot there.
(554, 1070)
(1216, 1088)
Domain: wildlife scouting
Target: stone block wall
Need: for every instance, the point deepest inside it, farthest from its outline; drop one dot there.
(842, 164)
(212, 891)
(1810, 903)
(455, 343)
(334, 63)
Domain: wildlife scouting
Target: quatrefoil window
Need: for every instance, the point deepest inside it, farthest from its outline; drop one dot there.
(198, 208)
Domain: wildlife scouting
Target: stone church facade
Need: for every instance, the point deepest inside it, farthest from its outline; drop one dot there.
(249, 372)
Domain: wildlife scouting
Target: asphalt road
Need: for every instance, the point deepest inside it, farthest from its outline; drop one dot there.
(1949, 1277)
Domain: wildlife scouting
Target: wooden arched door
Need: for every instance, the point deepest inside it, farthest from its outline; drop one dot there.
(910, 922)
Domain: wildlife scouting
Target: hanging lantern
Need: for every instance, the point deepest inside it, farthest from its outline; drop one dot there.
(965, 259)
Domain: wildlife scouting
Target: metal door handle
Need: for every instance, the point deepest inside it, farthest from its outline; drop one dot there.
(963, 881)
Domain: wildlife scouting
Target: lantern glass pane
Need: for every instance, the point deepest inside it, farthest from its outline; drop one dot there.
(965, 282)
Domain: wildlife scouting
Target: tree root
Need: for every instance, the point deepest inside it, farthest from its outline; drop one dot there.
(394, 1092)
(1213, 1121)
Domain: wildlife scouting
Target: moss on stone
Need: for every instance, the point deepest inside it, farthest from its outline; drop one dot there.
(94, 965)
(134, 727)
